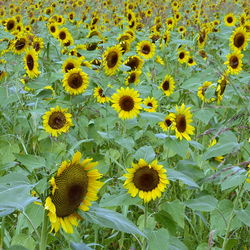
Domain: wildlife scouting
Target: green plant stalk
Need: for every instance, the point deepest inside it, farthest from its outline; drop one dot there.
(2, 233)
(44, 232)
(144, 246)
(124, 212)
(231, 217)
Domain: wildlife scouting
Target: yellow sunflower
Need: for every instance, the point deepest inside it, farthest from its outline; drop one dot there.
(230, 19)
(181, 122)
(234, 62)
(166, 124)
(148, 181)
(151, 104)
(159, 60)
(191, 62)
(248, 174)
(20, 44)
(74, 186)
(202, 90)
(221, 87)
(127, 103)
(31, 63)
(166, 37)
(112, 59)
(53, 29)
(146, 49)
(100, 96)
(239, 39)
(63, 35)
(134, 62)
(71, 63)
(57, 121)
(75, 81)
(183, 56)
(168, 85)
(10, 24)
(38, 44)
(133, 77)
(202, 38)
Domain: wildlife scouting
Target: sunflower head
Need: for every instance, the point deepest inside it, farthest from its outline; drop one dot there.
(73, 187)
(239, 39)
(71, 63)
(202, 92)
(151, 104)
(133, 77)
(127, 103)
(134, 62)
(166, 124)
(75, 81)
(168, 85)
(31, 63)
(230, 19)
(183, 56)
(148, 181)
(100, 96)
(146, 49)
(57, 121)
(234, 62)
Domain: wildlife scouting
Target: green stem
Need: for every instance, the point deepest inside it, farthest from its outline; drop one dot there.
(2, 233)
(231, 217)
(44, 232)
(124, 212)
(145, 224)
(33, 226)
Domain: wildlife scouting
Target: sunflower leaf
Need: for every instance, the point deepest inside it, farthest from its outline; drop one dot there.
(146, 152)
(110, 219)
(205, 203)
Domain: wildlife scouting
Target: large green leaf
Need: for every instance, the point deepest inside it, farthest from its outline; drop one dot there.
(244, 215)
(31, 161)
(146, 152)
(110, 219)
(205, 203)
(158, 239)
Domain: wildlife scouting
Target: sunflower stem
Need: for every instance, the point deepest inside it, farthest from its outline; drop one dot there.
(144, 247)
(44, 232)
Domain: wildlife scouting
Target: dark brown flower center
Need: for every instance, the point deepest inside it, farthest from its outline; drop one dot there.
(168, 122)
(57, 120)
(239, 40)
(230, 19)
(132, 77)
(181, 55)
(146, 179)
(150, 104)
(234, 62)
(126, 103)
(20, 44)
(190, 61)
(75, 80)
(52, 29)
(62, 35)
(69, 66)
(100, 92)
(10, 25)
(30, 62)
(112, 59)
(165, 85)
(181, 123)
(133, 63)
(145, 49)
(72, 186)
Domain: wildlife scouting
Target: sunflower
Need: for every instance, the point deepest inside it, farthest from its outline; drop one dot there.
(221, 87)
(166, 124)
(146, 49)
(248, 174)
(63, 35)
(134, 62)
(168, 85)
(149, 181)
(112, 59)
(202, 90)
(181, 122)
(239, 39)
(234, 62)
(202, 38)
(53, 29)
(191, 62)
(74, 186)
(151, 104)
(20, 44)
(2, 74)
(166, 37)
(127, 103)
(31, 63)
(170, 22)
(230, 19)
(159, 60)
(125, 46)
(71, 63)
(57, 121)
(10, 24)
(133, 77)
(75, 81)
(100, 96)
(183, 56)
(38, 44)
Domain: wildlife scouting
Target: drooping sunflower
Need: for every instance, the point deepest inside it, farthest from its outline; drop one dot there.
(221, 87)
(166, 124)
(183, 56)
(181, 122)
(166, 37)
(134, 62)
(112, 59)
(57, 121)
(230, 19)
(148, 181)
(127, 103)
(202, 91)
(75, 81)
(100, 96)
(234, 62)
(239, 39)
(74, 186)
(168, 85)
(151, 104)
(146, 49)
(31, 63)
(71, 63)
(133, 77)
(202, 38)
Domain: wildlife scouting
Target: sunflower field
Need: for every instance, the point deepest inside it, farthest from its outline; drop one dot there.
(124, 125)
